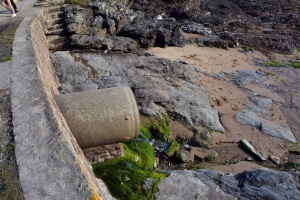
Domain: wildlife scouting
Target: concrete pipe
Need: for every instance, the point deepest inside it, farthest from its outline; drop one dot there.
(100, 117)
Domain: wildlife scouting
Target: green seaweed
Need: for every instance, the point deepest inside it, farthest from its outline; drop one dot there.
(75, 2)
(295, 64)
(292, 147)
(7, 58)
(126, 175)
(174, 146)
(274, 63)
(271, 74)
(157, 126)
(145, 131)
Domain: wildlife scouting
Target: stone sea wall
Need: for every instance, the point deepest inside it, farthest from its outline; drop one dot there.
(51, 164)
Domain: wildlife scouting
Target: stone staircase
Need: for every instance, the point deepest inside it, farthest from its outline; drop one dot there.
(55, 29)
(48, 3)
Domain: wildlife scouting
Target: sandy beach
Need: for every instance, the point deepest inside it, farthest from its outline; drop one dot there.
(228, 100)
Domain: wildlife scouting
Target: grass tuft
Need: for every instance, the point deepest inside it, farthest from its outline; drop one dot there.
(274, 63)
(271, 74)
(295, 64)
(7, 58)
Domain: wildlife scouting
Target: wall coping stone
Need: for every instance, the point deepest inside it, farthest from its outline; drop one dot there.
(51, 164)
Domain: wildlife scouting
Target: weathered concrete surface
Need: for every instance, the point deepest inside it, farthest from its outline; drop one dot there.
(51, 164)
(4, 75)
(100, 117)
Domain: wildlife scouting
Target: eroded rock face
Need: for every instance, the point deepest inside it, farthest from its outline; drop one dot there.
(265, 25)
(102, 24)
(153, 80)
(207, 184)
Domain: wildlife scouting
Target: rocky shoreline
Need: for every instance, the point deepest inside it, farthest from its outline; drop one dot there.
(216, 113)
(217, 95)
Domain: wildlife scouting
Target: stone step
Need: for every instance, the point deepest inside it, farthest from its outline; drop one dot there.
(53, 9)
(54, 15)
(55, 21)
(54, 39)
(61, 31)
(48, 3)
(55, 27)
(56, 46)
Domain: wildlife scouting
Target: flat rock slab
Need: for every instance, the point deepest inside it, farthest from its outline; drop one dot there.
(4, 75)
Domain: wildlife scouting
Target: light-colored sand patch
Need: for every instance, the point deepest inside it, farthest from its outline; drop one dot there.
(237, 168)
(212, 60)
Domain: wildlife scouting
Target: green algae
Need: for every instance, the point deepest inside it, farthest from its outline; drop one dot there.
(125, 176)
(157, 126)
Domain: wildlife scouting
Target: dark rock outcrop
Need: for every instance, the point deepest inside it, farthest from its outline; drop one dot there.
(207, 184)
(265, 25)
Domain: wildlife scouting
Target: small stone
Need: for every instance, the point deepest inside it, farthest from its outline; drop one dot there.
(275, 159)
(251, 148)
(249, 158)
(181, 156)
(187, 147)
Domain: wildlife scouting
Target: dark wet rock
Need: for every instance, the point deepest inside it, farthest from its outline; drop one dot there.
(195, 28)
(264, 25)
(207, 184)
(86, 41)
(149, 32)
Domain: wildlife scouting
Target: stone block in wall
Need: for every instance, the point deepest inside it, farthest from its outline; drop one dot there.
(102, 153)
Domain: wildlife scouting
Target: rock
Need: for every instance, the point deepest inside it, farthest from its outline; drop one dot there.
(77, 19)
(149, 32)
(203, 153)
(279, 131)
(247, 117)
(208, 184)
(182, 157)
(67, 70)
(205, 135)
(148, 184)
(86, 41)
(256, 109)
(275, 159)
(151, 79)
(195, 28)
(153, 110)
(261, 101)
(172, 148)
(181, 185)
(124, 44)
(251, 148)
